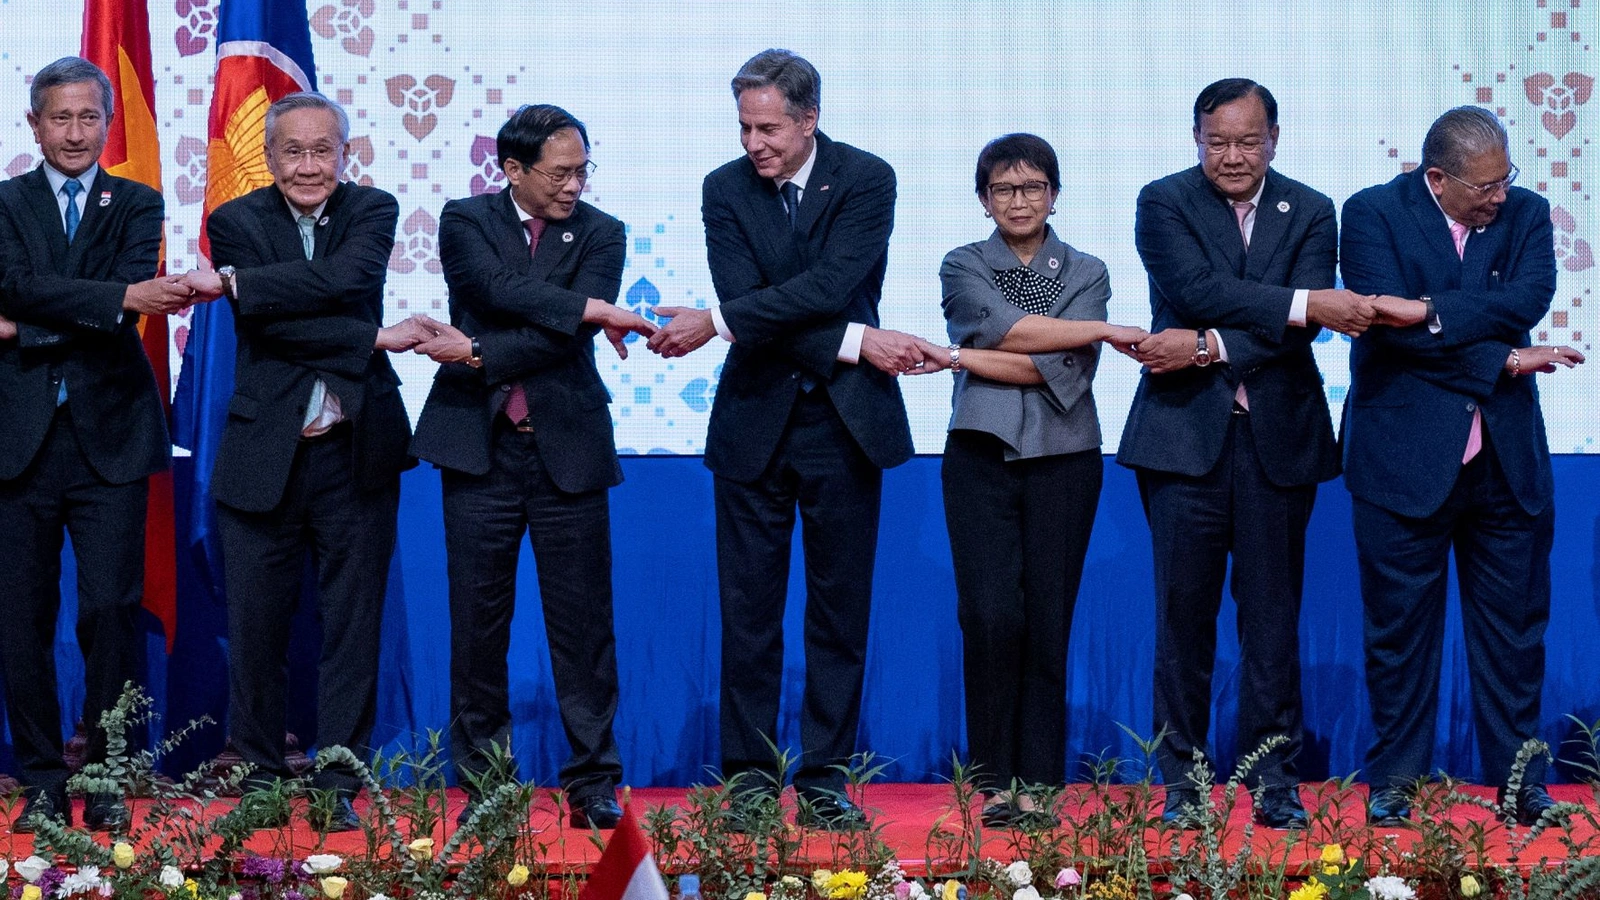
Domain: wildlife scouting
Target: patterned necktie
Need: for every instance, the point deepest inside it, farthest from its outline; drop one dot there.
(1241, 211)
(73, 187)
(791, 203)
(1458, 233)
(308, 234)
(517, 398)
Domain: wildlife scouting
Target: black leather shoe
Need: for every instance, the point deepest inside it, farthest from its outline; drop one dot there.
(830, 812)
(339, 819)
(105, 812)
(599, 811)
(1388, 809)
(1279, 807)
(1532, 801)
(1001, 814)
(468, 810)
(48, 803)
(1182, 807)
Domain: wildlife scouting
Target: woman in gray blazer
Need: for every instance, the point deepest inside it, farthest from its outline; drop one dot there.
(1022, 466)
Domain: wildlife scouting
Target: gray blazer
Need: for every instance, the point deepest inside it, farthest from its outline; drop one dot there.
(1046, 419)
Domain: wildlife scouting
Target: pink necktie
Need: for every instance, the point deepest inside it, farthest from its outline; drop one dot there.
(1241, 211)
(1458, 232)
(517, 399)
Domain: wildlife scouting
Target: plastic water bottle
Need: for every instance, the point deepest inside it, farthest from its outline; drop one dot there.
(689, 887)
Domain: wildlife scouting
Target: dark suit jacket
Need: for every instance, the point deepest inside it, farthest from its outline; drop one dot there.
(66, 302)
(1201, 277)
(298, 319)
(527, 315)
(788, 298)
(1413, 392)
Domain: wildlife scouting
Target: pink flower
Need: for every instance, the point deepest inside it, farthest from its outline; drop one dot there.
(1068, 878)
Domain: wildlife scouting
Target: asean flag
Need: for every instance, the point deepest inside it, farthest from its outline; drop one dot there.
(116, 37)
(263, 54)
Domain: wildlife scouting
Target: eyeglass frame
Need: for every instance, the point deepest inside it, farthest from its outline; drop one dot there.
(1220, 148)
(1487, 190)
(583, 174)
(1042, 187)
(322, 156)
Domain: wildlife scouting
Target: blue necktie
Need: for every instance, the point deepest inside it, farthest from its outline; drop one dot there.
(791, 202)
(73, 187)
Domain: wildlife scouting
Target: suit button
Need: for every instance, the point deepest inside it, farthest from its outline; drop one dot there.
(1067, 360)
(983, 313)
(505, 387)
(794, 376)
(1471, 407)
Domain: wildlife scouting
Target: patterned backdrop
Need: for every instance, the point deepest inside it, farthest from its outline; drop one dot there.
(428, 83)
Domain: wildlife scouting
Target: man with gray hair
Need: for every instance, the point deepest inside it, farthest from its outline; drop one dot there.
(1444, 447)
(84, 428)
(797, 236)
(315, 441)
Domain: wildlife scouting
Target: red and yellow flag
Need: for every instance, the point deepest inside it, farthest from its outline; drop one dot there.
(116, 37)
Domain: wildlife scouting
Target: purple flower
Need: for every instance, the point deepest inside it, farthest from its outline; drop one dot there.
(265, 868)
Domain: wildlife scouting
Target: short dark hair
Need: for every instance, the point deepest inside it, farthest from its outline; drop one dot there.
(1459, 134)
(307, 100)
(1008, 150)
(523, 136)
(796, 79)
(1221, 93)
(70, 70)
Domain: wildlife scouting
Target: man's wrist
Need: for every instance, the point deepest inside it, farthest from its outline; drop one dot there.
(476, 359)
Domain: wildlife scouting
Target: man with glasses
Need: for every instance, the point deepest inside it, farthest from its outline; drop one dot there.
(519, 426)
(1445, 448)
(315, 441)
(1229, 432)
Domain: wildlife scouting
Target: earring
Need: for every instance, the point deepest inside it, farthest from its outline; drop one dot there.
(1052, 210)
(987, 215)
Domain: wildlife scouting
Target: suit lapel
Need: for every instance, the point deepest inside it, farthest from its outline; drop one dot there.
(819, 187)
(42, 203)
(282, 227)
(557, 241)
(1218, 221)
(1273, 215)
(1430, 219)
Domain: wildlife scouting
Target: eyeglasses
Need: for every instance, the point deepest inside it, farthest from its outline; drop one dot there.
(295, 155)
(559, 179)
(1492, 187)
(1002, 192)
(1252, 146)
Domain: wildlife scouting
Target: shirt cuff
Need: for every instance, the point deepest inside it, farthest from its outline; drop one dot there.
(722, 327)
(850, 347)
(1297, 307)
(1222, 349)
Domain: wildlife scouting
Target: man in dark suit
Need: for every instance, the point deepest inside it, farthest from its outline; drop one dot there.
(1229, 431)
(83, 425)
(316, 436)
(1445, 448)
(797, 235)
(519, 424)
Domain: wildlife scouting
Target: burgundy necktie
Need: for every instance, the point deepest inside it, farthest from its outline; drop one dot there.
(1458, 232)
(517, 399)
(1241, 211)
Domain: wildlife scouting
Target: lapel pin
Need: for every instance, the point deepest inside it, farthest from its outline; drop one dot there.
(105, 198)
(1283, 206)
(566, 237)
(1055, 263)
(1478, 230)
(823, 188)
(322, 221)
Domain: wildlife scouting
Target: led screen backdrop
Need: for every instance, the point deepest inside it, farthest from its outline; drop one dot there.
(923, 85)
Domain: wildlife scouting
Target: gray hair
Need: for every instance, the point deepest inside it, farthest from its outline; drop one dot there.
(796, 79)
(307, 100)
(1459, 135)
(70, 70)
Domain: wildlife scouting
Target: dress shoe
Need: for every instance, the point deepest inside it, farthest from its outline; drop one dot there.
(48, 803)
(1388, 809)
(830, 812)
(342, 817)
(1182, 808)
(1532, 801)
(596, 811)
(105, 812)
(1003, 813)
(468, 810)
(1279, 807)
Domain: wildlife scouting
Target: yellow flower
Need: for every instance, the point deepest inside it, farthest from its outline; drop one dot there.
(192, 886)
(518, 876)
(950, 890)
(122, 855)
(333, 887)
(755, 895)
(31, 892)
(1469, 887)
(1311, 890)
(820, 879)
(421, 849)
(847, 885)
(1330, 870)
(1333, 854)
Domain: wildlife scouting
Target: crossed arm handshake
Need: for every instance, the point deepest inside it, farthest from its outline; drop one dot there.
(159, 296)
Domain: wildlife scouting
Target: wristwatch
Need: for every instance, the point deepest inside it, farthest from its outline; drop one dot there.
(955, 357)
(477, 355)
(1202, 353)
(226, 274)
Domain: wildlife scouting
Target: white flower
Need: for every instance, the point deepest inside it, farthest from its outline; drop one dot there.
(1019, 873)
(82, 881)
(5, 869)
(1183, 897)
(31, 868)
(918, 892)
(170, 878)
(379, 897)
(1390, 887)
(1026, 893)
(323, 863)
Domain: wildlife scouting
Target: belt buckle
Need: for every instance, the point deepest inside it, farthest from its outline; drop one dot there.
(525, 426)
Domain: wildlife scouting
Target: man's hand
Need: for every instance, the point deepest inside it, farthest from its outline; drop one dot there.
(1343, 311)
(406, 334)
(446, 344)
(1168, 350)
(207, 284)
(1398, 311)
(687, 332)
(934, 358)
(8, 329)
(618, 323)
(1123, 337)
(160, 296)
(895, 352)
(1528, 360)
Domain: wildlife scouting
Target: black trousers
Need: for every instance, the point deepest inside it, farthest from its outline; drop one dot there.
(1196, 524)
(485, 518)
(1018, 535)
(819, 469)
(1503, 567)
(349, 536)
(60, 493)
